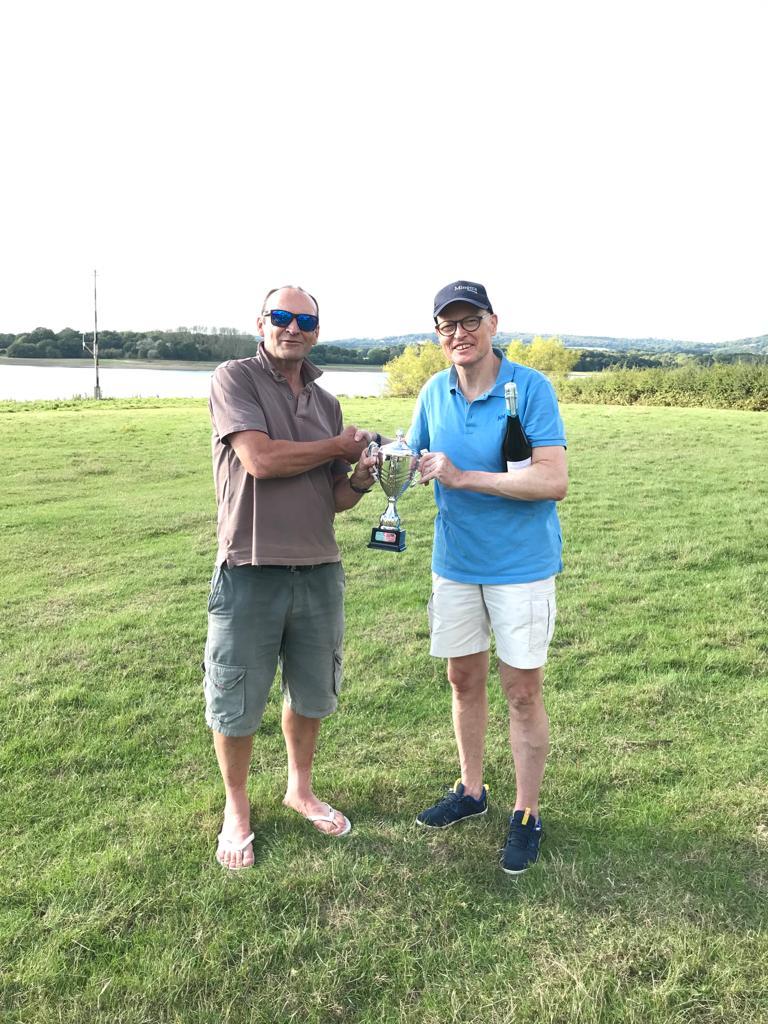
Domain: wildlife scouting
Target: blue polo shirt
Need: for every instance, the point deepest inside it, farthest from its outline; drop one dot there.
(482, 538)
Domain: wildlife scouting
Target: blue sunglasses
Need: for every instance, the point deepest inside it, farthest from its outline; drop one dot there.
(281, 318)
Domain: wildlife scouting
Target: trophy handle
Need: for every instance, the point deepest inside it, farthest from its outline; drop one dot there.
(417, 460)
(373, 449)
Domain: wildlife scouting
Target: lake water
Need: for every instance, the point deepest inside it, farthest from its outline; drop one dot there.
(27, 383)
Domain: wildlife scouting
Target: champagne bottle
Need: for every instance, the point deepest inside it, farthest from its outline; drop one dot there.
(516, 449)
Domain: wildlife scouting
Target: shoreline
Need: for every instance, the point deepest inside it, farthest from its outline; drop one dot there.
(164, 364)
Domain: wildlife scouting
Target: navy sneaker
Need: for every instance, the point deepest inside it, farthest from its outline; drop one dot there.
(454, 806)
(521, 849)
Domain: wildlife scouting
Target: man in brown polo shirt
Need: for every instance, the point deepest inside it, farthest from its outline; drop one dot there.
(281, 460)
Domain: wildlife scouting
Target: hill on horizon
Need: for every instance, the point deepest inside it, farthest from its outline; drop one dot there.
(757, 345)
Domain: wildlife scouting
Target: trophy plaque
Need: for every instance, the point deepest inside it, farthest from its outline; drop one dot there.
(396, 468)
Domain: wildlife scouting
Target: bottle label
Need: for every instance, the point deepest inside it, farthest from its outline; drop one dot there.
(522, 464)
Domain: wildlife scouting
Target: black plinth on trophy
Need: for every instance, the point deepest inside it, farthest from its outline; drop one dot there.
(387, 538)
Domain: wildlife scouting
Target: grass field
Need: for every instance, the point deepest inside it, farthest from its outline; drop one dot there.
(650, 901)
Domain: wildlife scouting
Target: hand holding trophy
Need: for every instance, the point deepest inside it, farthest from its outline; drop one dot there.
(395, 469)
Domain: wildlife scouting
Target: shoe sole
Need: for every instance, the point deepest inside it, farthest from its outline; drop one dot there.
(519, 871)
(477, 814)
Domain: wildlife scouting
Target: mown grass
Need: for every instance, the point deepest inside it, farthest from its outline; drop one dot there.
(649, 904)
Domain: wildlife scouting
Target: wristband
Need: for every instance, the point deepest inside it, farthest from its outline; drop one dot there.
(358, 490)
(377, 439)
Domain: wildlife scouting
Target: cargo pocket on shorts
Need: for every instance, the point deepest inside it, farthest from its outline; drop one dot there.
(542, 624)
(225, 691)
(431, 612)
(338, 672)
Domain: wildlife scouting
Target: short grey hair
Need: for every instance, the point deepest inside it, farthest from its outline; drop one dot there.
(294, 287)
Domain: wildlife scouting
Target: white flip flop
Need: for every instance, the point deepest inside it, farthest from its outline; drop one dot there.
(330, 817)
(228, 846)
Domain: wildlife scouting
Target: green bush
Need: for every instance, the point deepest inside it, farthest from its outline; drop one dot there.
(721, 386)
(549, 355)
(407, 374)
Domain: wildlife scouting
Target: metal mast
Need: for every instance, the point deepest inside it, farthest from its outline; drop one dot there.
(94, 349)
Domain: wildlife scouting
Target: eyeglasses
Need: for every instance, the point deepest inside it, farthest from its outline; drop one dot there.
(470, 324)
(282, 318)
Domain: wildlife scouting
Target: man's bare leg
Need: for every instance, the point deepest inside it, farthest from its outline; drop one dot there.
(300, 734)
(234, 757)
(468, 677)
(528, 731)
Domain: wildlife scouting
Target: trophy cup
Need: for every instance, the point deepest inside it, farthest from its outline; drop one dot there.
(395, 470)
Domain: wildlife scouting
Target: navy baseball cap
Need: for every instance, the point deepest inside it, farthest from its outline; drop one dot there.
(462, 291)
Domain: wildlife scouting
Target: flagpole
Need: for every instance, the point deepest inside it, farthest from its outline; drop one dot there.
(94, 350)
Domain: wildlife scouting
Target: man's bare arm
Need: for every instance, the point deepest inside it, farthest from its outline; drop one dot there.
(266, 459)
(344, 494)
(545, 479)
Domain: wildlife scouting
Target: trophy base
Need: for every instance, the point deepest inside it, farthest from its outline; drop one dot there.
(387, 539)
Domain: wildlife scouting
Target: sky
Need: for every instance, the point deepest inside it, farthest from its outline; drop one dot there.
(599, 166)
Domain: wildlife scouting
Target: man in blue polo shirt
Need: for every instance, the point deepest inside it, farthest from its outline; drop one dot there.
(497, 550)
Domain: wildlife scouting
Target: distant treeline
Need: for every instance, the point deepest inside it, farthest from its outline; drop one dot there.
(43, 343)
(200, 344)
(591, 360)
(192, 344)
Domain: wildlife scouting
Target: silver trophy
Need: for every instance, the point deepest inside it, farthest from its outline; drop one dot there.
(395, 469)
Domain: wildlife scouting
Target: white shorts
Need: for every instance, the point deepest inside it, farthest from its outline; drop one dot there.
(521, 615)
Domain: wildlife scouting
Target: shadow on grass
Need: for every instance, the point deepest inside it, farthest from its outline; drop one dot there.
(589, 867)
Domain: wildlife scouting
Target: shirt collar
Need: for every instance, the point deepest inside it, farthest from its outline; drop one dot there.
(309, 371)
(506, 373)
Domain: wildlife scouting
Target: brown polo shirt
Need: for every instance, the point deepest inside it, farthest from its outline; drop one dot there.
(284, 520)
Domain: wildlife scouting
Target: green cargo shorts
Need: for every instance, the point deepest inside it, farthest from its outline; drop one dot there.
(260, 616)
